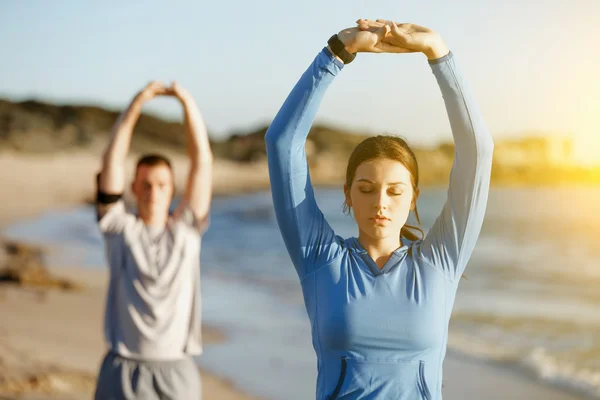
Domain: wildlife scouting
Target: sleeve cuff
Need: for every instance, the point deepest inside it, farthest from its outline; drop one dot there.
(440, 60)
(333, 58)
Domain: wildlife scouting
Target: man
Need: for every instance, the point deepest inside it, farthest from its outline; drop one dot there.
(152, 319)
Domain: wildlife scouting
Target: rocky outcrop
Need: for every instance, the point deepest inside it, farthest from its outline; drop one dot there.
(23, 265)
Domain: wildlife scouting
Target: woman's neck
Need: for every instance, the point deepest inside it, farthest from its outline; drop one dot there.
(380, 250)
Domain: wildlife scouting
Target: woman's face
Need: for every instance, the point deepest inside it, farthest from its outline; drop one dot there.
(381, 197)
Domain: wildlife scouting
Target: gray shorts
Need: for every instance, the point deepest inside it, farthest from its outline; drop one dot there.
(122, 378)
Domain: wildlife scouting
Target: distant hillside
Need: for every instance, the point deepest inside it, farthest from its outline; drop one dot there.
(33, 126)
(37, 127)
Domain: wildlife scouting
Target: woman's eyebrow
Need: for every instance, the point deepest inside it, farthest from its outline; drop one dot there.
(389, 184)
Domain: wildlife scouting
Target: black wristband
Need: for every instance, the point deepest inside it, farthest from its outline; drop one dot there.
(338, 49)
(105, 198)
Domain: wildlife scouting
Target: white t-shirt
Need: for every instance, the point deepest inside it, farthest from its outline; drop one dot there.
(153, 302)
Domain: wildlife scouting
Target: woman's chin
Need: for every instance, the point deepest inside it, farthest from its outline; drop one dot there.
(379, 232)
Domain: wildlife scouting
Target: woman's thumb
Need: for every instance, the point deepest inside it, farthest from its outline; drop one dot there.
(383, 31)
(395, 29)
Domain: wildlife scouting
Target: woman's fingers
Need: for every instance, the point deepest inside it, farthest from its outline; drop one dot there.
(400, 35)
(378, 23)
(366, 28)
(384, 47)
(398, 32)
(370, 23)
(382, 32)
(387, 36)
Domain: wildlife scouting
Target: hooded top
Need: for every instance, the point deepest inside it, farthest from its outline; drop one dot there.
(378, 333)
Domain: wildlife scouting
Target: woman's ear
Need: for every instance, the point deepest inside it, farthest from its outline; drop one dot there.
(347, 196)
(413, 203)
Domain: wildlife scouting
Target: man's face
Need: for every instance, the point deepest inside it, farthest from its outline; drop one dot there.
(153, 189)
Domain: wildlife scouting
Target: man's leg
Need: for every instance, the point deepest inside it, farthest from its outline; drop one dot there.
(109, 383)
(177, 380)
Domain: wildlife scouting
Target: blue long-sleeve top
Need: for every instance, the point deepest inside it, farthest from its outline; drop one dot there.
(378, 333)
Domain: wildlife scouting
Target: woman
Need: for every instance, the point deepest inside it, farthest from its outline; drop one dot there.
(379, 304)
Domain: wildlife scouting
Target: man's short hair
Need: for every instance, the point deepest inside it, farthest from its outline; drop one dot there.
(153, 160)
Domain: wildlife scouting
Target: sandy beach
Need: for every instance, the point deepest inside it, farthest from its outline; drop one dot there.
(51, 340)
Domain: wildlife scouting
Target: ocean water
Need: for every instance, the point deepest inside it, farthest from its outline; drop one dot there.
(530, 300)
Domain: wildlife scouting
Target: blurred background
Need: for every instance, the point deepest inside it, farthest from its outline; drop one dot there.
(528, 315)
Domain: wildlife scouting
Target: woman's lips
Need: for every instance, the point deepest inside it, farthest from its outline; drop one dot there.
(379, 219)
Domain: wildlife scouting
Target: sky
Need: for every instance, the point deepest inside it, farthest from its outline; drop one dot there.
(532, 64)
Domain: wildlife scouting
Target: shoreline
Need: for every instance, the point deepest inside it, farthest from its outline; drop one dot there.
(40, 182)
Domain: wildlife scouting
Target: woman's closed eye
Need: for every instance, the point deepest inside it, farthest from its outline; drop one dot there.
(365, 188)
(390, 192)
